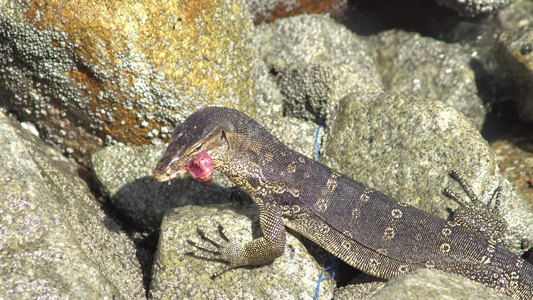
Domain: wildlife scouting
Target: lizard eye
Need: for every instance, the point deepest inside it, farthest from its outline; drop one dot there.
(198, 148)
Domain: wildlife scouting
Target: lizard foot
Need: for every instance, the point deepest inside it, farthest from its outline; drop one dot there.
(484, 218)
(218, 250)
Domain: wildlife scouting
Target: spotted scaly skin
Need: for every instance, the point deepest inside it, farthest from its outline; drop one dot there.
(365, 228)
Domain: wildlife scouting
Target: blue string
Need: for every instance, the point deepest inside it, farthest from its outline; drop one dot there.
(320, 279)
(333, 258)
(316, 143)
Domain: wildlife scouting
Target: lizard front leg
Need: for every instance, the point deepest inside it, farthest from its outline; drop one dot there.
(257, 252)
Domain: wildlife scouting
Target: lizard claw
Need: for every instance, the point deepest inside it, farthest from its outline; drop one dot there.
(484, 218)
(208, 238)
(215, 250)
(222, 233)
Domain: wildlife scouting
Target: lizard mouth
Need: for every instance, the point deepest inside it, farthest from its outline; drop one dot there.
(200, 168)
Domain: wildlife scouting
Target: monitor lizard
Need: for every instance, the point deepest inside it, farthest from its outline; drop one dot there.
(363, 227)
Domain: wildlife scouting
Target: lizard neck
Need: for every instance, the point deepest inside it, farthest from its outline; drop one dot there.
(258, 163)
(254, 158)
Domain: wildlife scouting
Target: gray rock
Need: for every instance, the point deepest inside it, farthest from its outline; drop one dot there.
(518, 14)
(404, 146)
(297, 134)
(308, 39)
(472, 8)
(269, 97)
(178, 276)
(420, 284)
(312, 92)
(434, 284)
(514, 52)
(266, 11)
(364, 287)
(125, 173)
(427, 68)
(56, 242)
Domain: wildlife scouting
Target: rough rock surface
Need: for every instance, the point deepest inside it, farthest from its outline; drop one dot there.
(427, 68)
(312, 92)
(514, 52)
(473, 8)
(308, 39)
(123, 71)
(179, 276)
(420, 284)
(270, 10)
(55, 241)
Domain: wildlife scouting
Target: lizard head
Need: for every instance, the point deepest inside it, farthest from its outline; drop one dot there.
(196, 146)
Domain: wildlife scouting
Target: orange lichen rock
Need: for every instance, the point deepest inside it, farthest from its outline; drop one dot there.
(126, 71)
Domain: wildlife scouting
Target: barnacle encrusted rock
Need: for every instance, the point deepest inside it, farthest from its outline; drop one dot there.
(473, 8)
(122, 71)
